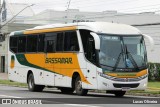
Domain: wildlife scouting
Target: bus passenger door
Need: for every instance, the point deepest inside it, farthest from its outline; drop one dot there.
(91, 64)
(49, 74)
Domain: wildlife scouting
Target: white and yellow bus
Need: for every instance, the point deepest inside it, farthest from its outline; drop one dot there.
(79, 57)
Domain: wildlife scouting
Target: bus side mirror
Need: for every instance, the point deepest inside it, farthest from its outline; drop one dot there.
(151, 41)
(96, 39)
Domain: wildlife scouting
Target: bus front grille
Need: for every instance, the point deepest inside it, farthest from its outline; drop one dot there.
(125, 85)
(126, 80)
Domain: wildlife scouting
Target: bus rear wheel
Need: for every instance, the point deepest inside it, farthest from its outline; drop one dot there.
(78, 87)
(32, 86)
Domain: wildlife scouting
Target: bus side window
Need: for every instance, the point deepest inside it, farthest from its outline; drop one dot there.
(22, 44)
(50, 41)
(13, 44)
(41, 43)
(88, 45)
(59, 45)
(71, 41)
(91, 54)
(32, 43)
(50, 46)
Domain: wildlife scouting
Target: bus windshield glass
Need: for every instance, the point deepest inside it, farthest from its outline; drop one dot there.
(122, 53)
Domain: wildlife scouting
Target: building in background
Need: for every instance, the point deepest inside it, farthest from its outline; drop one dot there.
(148, 23)
(8, 24)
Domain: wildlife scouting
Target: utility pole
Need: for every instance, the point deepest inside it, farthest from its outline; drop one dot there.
(1, 35)
(67, 11)
(0, 15)
(0, 3)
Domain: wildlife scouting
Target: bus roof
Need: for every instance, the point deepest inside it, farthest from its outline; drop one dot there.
(109, 28)
(98, 27)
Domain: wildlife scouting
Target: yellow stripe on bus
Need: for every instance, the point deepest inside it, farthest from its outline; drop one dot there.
(50, 30)
(52, 62)
(128, 75)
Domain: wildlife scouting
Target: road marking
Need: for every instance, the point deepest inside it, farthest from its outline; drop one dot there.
(9, 96)
(81, 105)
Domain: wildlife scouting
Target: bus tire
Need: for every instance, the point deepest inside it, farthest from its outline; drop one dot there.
(67, 90)
(78, 87)
(32, 86)
(119, 93)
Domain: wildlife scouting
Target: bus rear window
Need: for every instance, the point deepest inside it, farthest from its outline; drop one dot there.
(13, 44)
(21, 44)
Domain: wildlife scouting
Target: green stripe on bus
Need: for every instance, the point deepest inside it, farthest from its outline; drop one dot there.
(23, 61)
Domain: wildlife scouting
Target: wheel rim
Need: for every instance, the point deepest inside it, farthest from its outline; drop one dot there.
(79, 85)
(30, 82)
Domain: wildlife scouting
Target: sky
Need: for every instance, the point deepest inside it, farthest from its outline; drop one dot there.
(124, 6)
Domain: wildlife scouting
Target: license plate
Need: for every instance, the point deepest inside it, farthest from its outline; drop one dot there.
(125, 88)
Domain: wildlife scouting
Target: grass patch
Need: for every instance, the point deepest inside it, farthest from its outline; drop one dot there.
(11, 83)
(154, 84)
(145, 92)
(153, 90)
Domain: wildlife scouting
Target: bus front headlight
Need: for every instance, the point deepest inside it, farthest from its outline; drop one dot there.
(145, 85)
(104, 75)
(143, 77)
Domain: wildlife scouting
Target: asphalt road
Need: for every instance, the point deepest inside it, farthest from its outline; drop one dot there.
(53, 96)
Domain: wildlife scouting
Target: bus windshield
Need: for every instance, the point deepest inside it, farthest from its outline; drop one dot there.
(122, 53)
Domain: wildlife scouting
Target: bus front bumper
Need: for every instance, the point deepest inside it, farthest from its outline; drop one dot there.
(107, 84)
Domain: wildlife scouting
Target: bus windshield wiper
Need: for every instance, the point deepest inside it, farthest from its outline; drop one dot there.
(129, 56)
(118, 60)
(119, 56)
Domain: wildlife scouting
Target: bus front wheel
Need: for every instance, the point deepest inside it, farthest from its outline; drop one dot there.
(67, 90)
(32, 86)
(78, 87)
(117, 93)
